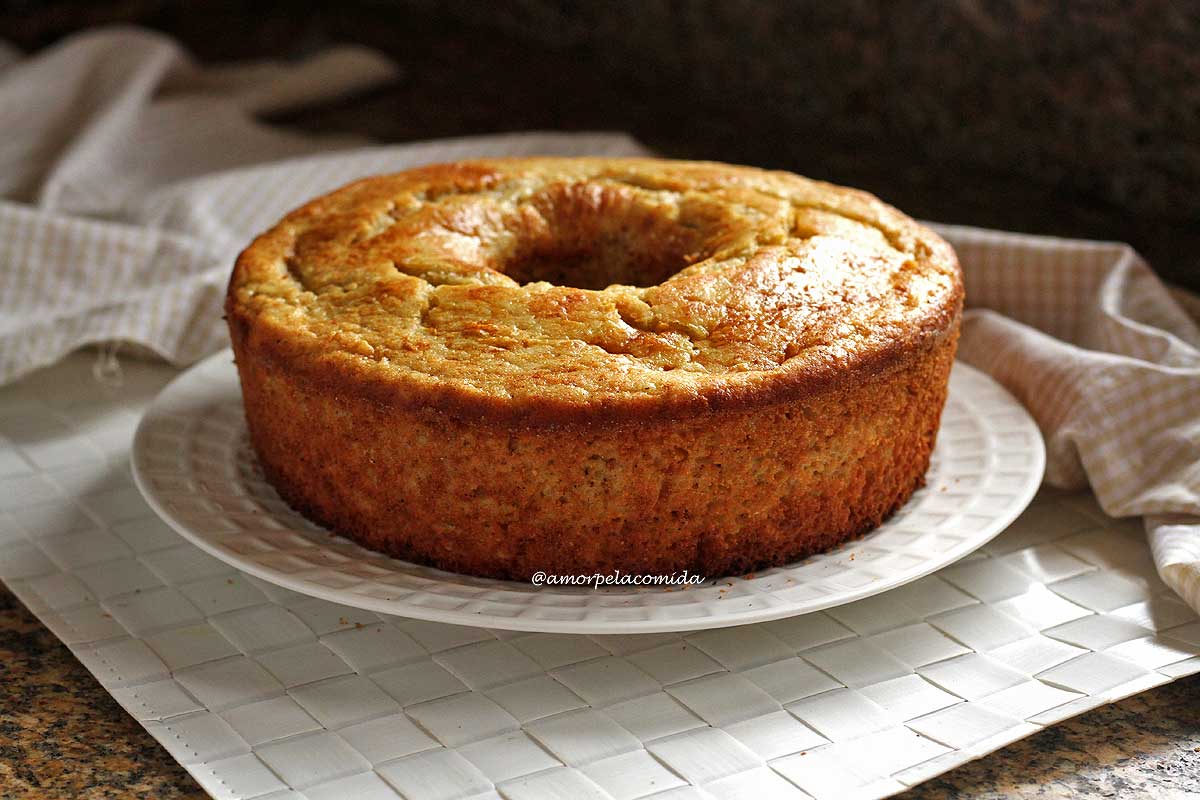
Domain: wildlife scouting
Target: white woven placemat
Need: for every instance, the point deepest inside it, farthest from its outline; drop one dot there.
(263, 693)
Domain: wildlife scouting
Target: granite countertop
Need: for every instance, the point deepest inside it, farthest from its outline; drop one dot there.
(63, 736)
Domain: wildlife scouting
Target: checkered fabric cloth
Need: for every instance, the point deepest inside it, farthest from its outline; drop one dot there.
(130, 177)
(1107, 359)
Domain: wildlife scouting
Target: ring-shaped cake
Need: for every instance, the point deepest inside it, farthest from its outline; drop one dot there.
(575, 366)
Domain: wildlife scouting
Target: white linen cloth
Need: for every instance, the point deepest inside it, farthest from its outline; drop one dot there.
(130, 177)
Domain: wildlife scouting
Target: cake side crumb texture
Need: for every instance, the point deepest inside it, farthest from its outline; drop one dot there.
(581, 365)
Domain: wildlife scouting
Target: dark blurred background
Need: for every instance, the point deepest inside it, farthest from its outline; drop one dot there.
(1072, 118)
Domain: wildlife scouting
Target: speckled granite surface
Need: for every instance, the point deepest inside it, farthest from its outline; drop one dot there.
(62, 736)
(1145, 746)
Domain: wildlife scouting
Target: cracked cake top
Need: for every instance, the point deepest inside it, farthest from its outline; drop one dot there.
(544, 286)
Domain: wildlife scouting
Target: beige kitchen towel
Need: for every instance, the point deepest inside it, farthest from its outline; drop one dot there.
(1107, 359)
(130, 177)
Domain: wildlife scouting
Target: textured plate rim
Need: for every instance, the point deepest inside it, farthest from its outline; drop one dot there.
(398, 607)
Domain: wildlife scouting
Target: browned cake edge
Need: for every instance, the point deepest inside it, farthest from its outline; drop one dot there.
(719, 490)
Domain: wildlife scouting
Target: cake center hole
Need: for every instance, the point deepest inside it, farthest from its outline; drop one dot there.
(593, 235)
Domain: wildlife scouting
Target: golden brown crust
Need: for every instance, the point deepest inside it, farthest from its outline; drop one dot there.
(396, 286)
(771, 385)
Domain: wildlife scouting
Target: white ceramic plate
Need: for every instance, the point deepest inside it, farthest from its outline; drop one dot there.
(193, 461)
